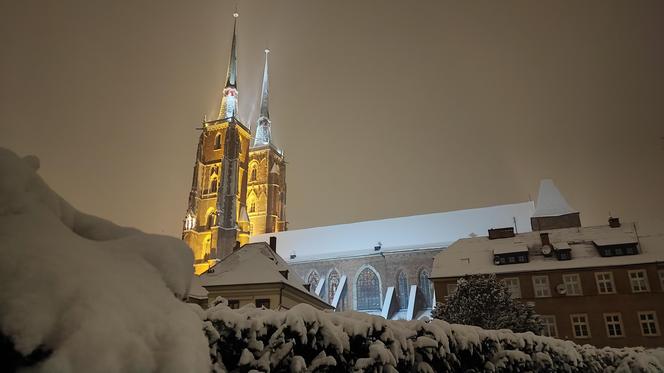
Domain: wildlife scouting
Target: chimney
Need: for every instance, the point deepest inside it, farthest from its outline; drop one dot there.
(545, 239)
(614, 222)
(273, 243)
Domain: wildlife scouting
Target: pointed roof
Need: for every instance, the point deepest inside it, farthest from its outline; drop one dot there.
(265, 90)
(231, 74)
(550, 202)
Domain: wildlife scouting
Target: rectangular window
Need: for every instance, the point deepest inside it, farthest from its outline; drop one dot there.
(234, 304)
(605, 283)
(513, 286)
(550, 328)
(263, 303)
(614, 326)
(541, 286)
(572, 283)
(661, 278)
(451, 288)
(580, 325)
(638, 279)
(648, 321)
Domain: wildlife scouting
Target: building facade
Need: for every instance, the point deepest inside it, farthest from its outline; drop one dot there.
(382, 267)
(239, 182)
(599, 285)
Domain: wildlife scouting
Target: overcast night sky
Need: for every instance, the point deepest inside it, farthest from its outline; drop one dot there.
(383, 108)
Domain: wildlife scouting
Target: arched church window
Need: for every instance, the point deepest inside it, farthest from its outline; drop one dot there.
(367, 289)
(214, 185)
(217, 141)
(332, 284)
(402, 290)
(253, 173)
(313, 280)
(211, 220)
(425, 287)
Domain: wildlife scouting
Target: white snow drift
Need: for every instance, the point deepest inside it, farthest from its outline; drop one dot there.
(102, 298)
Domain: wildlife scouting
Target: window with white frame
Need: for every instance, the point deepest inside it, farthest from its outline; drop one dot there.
(451, 288)
(614, 326)
(661, 278)
(541, 286)
(572, 283)
(638, 280)
(648, 321)
(550, 328)
(512, 284)
(605, 283)
(580, 325)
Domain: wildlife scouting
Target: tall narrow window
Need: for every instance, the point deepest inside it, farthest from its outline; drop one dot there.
(550, 328)
(313, 280)
(614, 326)
(217, 141)
(572, 283)
(332, 284)
(402, 290)
(661, 278)
(605, 283)
(638, 280)
(368, 290)
(213, 185)
(425, 287)
(211, 220)
(513, 285)
(541, 286)
(252, 207)
(648, 321)
(580, 325)
(253, 173)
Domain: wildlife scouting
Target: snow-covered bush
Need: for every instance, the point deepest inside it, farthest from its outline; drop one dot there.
(482, 300)
(304, 339)
(81, 294)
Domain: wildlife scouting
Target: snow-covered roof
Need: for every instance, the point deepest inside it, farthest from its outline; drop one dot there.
(254, 263)
(512, 249)
(398, 234)
(475, 255)
(550, 202)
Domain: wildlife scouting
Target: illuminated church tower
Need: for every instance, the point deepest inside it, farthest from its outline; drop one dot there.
(266, 186)
(239, 183)
(216, 221)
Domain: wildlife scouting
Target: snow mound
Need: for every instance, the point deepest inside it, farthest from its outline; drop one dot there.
(80, 293)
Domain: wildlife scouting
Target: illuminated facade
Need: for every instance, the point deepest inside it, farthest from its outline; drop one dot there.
(238, 185)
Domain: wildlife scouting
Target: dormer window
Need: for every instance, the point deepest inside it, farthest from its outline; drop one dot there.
(616, 247)
(511, 254)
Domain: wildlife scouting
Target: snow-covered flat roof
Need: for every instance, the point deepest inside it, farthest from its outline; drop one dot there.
(475, 255)
(404, 233)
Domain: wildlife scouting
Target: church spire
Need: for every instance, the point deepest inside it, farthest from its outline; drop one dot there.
(229, 100)
(263, 135)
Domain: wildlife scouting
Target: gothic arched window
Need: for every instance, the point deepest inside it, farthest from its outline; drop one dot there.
(253, 173)
(402, 290)
(313, 280)
(425, 287)
(217, 141)
(211, 220)
(332, 284)
(214, 184)
(367, 288)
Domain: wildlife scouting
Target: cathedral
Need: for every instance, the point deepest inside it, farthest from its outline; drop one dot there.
(238, 186)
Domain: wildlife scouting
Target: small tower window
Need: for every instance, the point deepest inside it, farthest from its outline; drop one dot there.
(217, 141)
(252, 207)
(253, 173)
(214, 185)
(211, 220)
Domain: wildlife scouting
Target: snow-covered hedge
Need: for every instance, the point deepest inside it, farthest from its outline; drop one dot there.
(304, 339)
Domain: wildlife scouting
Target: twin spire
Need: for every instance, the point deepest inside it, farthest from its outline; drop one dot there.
(229, 99)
